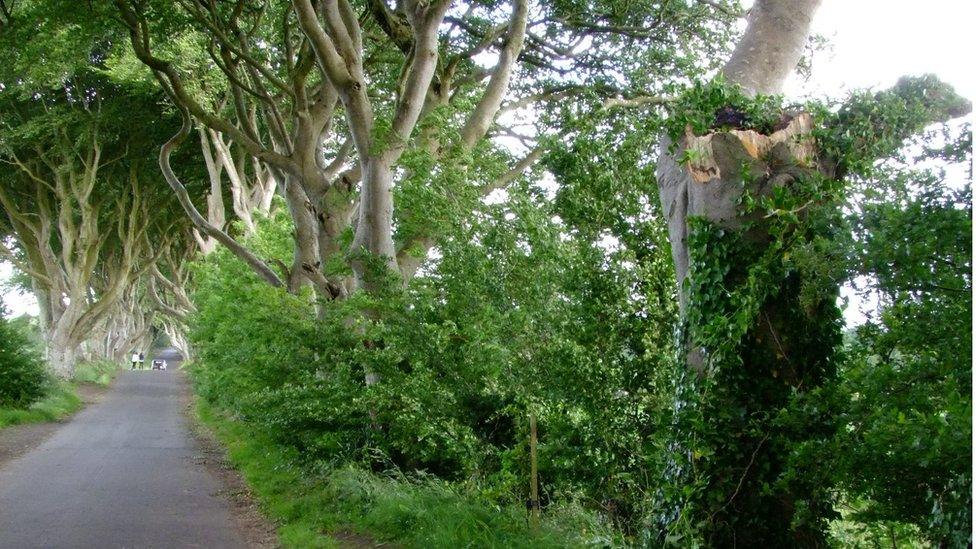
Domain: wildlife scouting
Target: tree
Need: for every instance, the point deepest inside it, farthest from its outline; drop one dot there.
(385, 128)
(167, 285)
(416, 106)
(905, 453)
(79, 208)
(82, 213)
(752, 195)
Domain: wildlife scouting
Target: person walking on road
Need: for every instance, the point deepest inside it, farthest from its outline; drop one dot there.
(135, 360)
(142, 360)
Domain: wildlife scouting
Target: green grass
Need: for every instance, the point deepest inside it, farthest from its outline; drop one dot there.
(62, 400)
(426, 513)
(100, 372)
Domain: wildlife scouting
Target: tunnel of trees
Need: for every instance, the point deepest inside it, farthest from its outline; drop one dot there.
(392, 237)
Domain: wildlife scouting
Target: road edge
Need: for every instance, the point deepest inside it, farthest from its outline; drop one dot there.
(19, 439)
(256, 528)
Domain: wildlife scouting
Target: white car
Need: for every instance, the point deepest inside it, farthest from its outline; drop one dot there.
(158, 364)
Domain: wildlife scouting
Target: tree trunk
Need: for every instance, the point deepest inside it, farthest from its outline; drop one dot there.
(62, 352)
(769, 349)
(772, 45)
(179, 340)
(305, 263)
(760, 64)
(62, 360)
(724, 444)
(374, 232)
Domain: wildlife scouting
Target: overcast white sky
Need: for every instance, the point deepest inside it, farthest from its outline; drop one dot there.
(876, 41)
(873, 42)
(17, 303)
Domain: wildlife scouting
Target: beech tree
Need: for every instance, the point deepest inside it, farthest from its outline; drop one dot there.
(748, 188)
(390, 129)
(404, 88)
(82, 216)
(127, 326)
(752, 195)
(82, 219)
(167, 288)
(251, 191)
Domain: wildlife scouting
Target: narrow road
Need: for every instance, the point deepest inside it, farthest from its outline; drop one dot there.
(121, 473)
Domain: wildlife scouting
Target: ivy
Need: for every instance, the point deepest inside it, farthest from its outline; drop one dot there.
(755, 407)
(718, 105)
(873, 126)
(762, 328)
(758, 350)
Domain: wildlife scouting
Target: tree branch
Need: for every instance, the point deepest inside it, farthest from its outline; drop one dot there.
(236, 248)
(484, 113)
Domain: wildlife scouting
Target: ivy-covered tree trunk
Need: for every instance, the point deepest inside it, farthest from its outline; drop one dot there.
(754, 338)
(760, 331)
(753, 195)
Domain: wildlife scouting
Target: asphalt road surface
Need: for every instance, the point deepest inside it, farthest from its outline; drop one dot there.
(121, 473)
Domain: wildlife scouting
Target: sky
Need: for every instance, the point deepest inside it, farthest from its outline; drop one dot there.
(872, 44)
(17, 302)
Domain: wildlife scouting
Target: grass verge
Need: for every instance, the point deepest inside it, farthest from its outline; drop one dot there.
(409, 512)
(62, 399)
(100, 372)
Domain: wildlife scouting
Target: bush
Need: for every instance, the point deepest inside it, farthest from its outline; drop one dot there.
(905, 454)
(462, 355)
(23, 378)
(59, 402)
(409, 510)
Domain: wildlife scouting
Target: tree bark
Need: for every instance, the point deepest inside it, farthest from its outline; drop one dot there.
(215, 199)
(740, 502)
(62, 356)
(374, 231)
(259, 266)
(306, 262)
(772, 45)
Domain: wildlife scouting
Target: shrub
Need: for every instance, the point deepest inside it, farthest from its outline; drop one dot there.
(23, 378)
(60, 401)
(905, 454)
(462, 355)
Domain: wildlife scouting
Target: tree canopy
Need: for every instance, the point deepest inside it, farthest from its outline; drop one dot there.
(404, 236)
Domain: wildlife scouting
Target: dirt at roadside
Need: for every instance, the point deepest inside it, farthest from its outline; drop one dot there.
(90, 394)
(17, 440)
(259, 532)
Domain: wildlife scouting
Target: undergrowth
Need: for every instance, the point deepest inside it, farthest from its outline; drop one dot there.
(60, 401)
(412, 511)
(99, 372)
